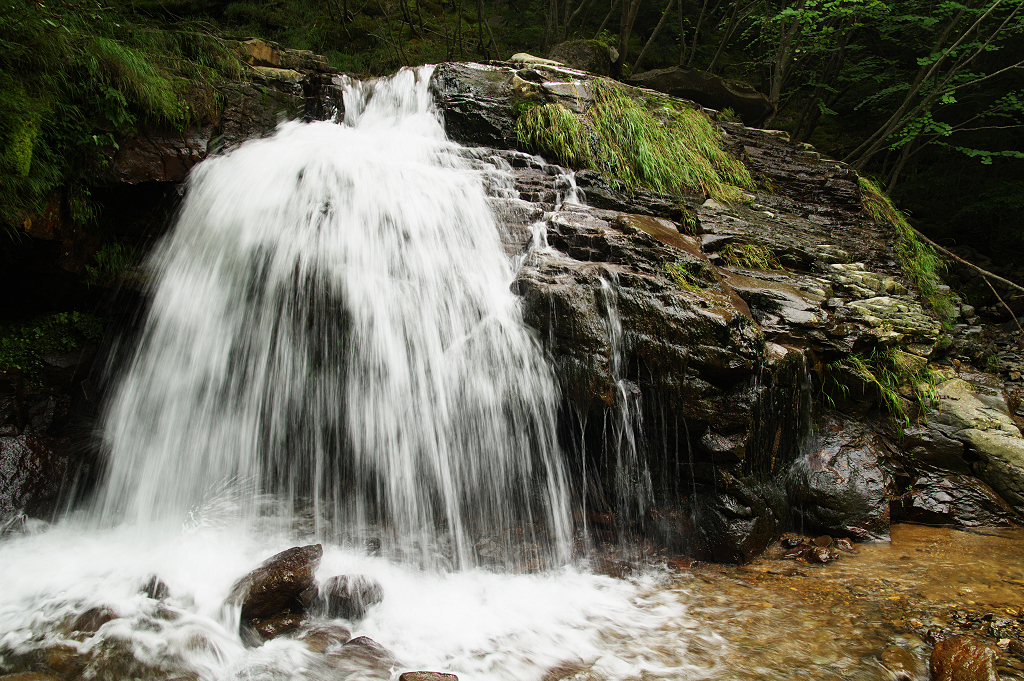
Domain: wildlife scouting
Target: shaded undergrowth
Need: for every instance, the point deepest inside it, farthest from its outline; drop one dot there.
(672, 150)
(919, 260)
(76, 75)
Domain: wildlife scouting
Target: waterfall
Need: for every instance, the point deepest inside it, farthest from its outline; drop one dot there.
(331, 329)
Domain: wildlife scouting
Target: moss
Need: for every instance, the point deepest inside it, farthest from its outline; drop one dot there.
(22, 346)
(750, 257)
(919, 260)
(20, 145)
(671, 150)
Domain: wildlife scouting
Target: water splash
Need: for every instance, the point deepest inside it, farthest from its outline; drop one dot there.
(331, 320)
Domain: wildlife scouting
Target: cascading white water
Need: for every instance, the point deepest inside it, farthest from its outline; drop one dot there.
(331, 330)
(331, 323)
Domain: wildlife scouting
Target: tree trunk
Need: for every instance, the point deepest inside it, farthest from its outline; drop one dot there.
(650, 41)
(629, 10)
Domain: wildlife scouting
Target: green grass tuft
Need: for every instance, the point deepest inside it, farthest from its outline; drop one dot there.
(555, 129)
(919, 260)
(673, 151)
(685, 275)
(111, 263)
(74, 77)
(750, 257)
(891, 369)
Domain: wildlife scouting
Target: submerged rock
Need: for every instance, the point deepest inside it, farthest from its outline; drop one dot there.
(427, 676)
(362, 658)
(963, 659)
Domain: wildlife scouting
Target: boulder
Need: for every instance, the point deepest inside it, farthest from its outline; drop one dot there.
(842, 485)
(349, 596)
(364, 659)
(707, 90)
(269, 596)
(940, 498)
(585, 55)
(963, 659)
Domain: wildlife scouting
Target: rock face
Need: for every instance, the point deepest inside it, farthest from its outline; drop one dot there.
(707, 90)
(715, 378)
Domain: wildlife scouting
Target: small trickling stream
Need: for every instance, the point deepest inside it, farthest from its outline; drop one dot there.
(333, 355)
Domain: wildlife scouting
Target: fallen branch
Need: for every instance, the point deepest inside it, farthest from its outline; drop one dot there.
(969, 264)
(984, 275)
(1004, 304)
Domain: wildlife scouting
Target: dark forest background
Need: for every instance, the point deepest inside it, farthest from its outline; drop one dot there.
(926, 96)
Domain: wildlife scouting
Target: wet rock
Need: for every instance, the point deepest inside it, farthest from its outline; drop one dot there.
(844, 544)
(66, 660)
(842, 485)
(362, 658)
(252, 111)
(708, 90)
(963, 659)
(350, 596)
(90, 621)
(159, 155)
(586, 55)
(950, 499)
(476, 101)
(902, 664)
(270, 595)
(32, 471)
(155, 588)
(278, 625)
(320, 638)
(820, 554)
(824, 541)
(275, 585)
(974, 414)
(30, 676)
(427, 676)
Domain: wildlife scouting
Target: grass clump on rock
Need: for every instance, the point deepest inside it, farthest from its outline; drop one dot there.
(74, 76)
(750, 257)
(889, 370)
(673, 151)
(919, 260)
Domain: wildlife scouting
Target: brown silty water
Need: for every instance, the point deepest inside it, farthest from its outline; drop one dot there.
(872, 614)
